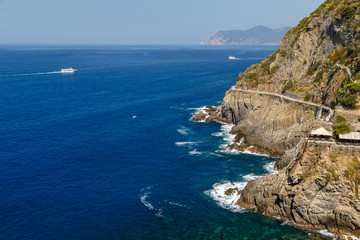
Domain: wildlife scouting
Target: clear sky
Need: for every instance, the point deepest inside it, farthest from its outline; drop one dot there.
(140, 21)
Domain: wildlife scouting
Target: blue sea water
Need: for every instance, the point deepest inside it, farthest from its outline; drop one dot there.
(76, 164)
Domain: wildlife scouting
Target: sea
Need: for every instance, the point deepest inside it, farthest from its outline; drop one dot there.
(109, 152)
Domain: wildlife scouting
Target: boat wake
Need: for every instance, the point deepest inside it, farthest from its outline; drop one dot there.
(30, 74)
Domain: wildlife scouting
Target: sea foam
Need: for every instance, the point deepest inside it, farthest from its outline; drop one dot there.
(183, 131)
(144, 200)
(217, 193)
(195, 152)
(181, 144)
(228, 202)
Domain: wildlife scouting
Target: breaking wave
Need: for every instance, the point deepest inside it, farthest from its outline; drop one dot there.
(217, 193)
(144, 200)
(183, 131)
(182, 144)
(195, 152)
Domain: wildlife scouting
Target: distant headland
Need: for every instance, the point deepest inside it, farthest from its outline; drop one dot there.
(259, 35)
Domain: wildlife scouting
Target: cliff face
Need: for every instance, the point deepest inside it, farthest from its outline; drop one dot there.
(317, 60)
(316, 191)
(266, 123)
(314, 59)
(259, 35)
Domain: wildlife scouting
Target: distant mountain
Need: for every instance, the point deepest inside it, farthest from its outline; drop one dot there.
(259, 35)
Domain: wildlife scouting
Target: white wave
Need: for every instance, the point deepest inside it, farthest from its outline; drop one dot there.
(228, 139)
(247, 151)
(218, 134)
(285, 223)
(195, 152)
(181, 144)
(202, 109)
(176, 107)
(327, 233)
(183, 130)
(159, 213)
(334, 236)
(229, 151)
(250, 177)
(177, 204)
(218, 155)
(270, 168)
(228, 202)
(144, 200)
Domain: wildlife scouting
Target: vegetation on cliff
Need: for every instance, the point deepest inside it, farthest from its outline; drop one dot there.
(317, 59)
(318, 190)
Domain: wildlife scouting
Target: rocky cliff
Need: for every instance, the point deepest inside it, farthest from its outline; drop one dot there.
(318, 61)
(259, 35)
(265, 123)
(316, 191)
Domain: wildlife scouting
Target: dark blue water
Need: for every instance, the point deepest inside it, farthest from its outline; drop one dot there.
(75, 164)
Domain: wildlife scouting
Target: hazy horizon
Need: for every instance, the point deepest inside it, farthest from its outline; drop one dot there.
(111, 22)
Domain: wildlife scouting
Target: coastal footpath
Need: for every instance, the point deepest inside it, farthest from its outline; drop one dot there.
(311, 82)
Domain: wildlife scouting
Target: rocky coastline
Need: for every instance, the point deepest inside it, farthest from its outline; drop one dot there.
(317, 186)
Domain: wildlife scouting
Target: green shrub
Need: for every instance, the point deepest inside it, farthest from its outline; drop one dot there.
(283, 53)
(328, 178)
(337, 54)
(319, 76)
(334, 175)
(313, 68)
(305, 62)
(341, 126)
(349, 101)
(288, 85)
(274, 70)
(340, 119)
(348, 12)
(353, 87)
(308, 97)
(272, 57)
(266, 66)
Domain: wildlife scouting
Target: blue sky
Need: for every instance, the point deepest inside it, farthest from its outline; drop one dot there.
(140, 21)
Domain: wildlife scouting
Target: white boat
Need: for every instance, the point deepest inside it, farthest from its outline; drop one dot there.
(68, 70)
(232, 58)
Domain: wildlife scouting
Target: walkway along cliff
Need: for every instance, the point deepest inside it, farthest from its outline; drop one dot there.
(311, 81)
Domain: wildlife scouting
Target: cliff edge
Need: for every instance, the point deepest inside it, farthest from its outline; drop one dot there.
(311, 79)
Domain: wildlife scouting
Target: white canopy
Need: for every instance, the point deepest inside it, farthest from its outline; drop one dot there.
(350, 136)
(321, 132)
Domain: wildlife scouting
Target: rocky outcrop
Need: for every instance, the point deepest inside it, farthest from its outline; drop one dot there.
(291, 154)
(266, 123)
(315, 191)
(315, 188)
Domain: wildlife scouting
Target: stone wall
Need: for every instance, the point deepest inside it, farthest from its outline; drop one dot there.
(335, 148)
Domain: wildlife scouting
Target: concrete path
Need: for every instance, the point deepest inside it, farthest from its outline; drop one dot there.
(282, 97)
